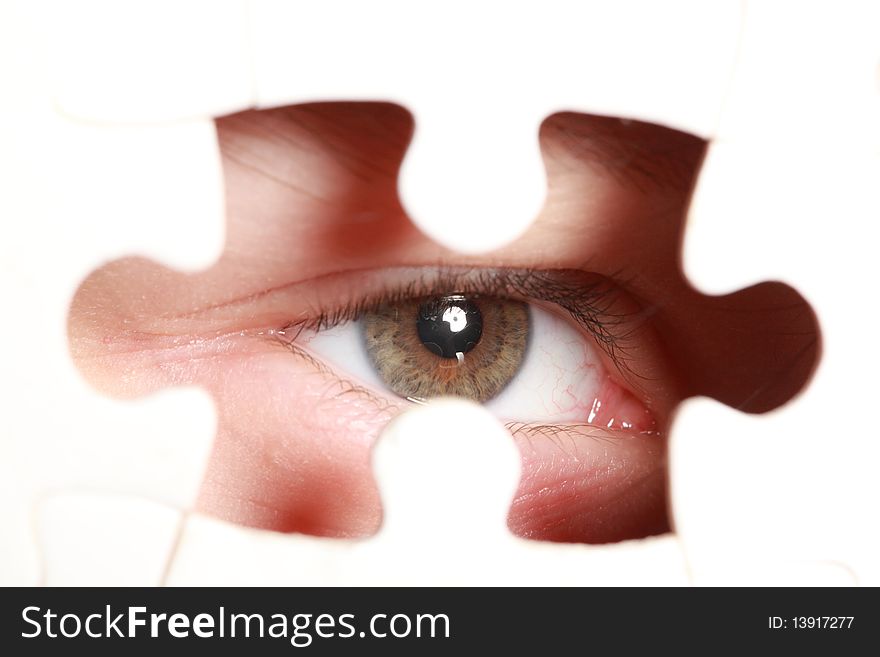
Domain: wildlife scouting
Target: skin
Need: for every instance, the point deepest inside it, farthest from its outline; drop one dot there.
(313, 220)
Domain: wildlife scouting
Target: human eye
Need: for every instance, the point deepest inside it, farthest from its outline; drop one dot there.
(588, 334)
(533, 346)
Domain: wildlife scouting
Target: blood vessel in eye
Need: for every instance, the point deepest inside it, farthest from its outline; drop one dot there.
(449, 326)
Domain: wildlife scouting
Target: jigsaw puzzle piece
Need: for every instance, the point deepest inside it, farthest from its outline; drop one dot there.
(808, 73)
(447, 473)
(770, 211)
(467, 201)
(795, 485)
(92, 539)
(214, 552)
(19, 556)
(448, 149)
(148, 61)
(473, 177)
(154, 191)
(61, 433)
(82, 213)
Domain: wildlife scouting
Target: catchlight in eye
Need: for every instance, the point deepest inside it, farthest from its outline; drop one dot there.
(447, 345)
(450, 326)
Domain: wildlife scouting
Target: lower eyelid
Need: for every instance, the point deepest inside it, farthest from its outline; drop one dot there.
(349, 357)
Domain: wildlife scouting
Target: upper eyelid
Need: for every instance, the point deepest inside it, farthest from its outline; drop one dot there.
(588, 298)
(525, 283)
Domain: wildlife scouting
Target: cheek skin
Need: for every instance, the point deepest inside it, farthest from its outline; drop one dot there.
(292, 452)
(293, 449)
(277, 466)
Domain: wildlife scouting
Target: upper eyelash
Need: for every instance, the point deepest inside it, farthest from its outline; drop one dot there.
(588, 299)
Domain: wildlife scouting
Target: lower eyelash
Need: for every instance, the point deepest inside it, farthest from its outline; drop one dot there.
(558, 432)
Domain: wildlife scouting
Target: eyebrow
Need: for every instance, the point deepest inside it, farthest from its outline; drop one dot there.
(641, 155)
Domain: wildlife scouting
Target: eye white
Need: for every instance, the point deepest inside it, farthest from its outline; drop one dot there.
(558, 380)
(342, 347)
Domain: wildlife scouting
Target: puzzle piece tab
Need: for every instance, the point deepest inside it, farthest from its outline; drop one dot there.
(798, 482)
(447, 473)
(77, 190)
(738, 233)
(479, 85)
(477, 111)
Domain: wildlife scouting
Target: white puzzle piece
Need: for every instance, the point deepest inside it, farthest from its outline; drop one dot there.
(797, 483)
(104, 540)
(444, 524)
(479, 79)
(156, 191)
(809, 73)
(149, 60)
(768, 570)
(77, 189)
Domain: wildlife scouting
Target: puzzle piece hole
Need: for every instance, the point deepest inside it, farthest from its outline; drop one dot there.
(314, 223)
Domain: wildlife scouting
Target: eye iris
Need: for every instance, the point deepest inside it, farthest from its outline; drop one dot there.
(447, 345)
(449, 326)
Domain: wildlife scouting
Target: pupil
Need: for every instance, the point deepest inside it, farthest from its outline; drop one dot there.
(450, 325)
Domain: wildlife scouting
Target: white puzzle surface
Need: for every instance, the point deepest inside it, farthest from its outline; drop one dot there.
(84, 78)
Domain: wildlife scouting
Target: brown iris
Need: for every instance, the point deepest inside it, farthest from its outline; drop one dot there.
(448, 345)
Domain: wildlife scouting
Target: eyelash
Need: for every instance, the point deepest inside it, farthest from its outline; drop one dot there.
(587, 298)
